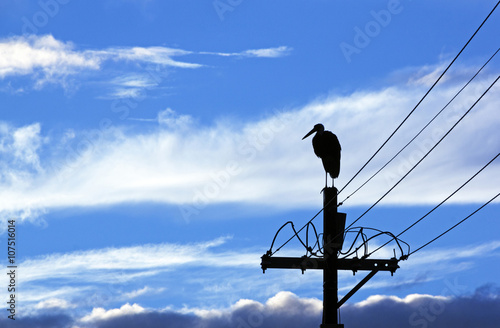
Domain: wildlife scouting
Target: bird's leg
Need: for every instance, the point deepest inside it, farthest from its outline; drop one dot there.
(326, 179)
(332, 183)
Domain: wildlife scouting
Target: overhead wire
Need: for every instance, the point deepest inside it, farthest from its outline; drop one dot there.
(456, 225)
(420, 161)
(385, 142)
(308, 248)
(421, 100)
(296, 234)
(295, 231)
(435, 207)
(409, 142)
(364, 245)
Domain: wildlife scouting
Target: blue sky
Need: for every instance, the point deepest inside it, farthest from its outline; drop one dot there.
(149, 151)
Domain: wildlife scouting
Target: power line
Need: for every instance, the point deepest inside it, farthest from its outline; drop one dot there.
(435, 116)
(414, 166)
(444, 136)
(477, 210)
(446, 199)
(425, 95)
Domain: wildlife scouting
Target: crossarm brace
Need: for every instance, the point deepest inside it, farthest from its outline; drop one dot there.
(356, 288)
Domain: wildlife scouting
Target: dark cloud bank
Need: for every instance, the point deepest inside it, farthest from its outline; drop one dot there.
(479, 310)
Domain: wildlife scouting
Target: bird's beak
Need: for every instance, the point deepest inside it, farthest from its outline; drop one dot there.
(310, 132)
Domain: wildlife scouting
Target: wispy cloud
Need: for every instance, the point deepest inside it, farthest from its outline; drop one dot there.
(54, 303)
(153, 55)
(133, 86)
(269, 52)
(126, 263)
(275, 52)
(49, 60)
(142, 291)
(134, 81)
(104, 275)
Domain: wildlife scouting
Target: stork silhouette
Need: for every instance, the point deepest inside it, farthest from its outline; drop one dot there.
(327, 147)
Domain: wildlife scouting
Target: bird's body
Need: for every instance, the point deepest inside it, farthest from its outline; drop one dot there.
(327, 147)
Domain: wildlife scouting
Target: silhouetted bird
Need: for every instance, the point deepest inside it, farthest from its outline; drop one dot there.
(327, 147)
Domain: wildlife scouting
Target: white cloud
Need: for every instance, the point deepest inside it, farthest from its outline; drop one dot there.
(101, 314)
(19, 158)
(282, 304)
(408, 299)
(171, 120)
(21, 145)
(26, 142)
(25, 55)
(289, 302)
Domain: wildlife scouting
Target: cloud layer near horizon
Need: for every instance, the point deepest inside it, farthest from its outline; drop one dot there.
(286, 309)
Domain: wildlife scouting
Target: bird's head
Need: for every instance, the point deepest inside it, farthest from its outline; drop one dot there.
(317, 128)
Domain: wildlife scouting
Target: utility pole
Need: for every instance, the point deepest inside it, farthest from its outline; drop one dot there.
(333, 235)
(333, 228)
